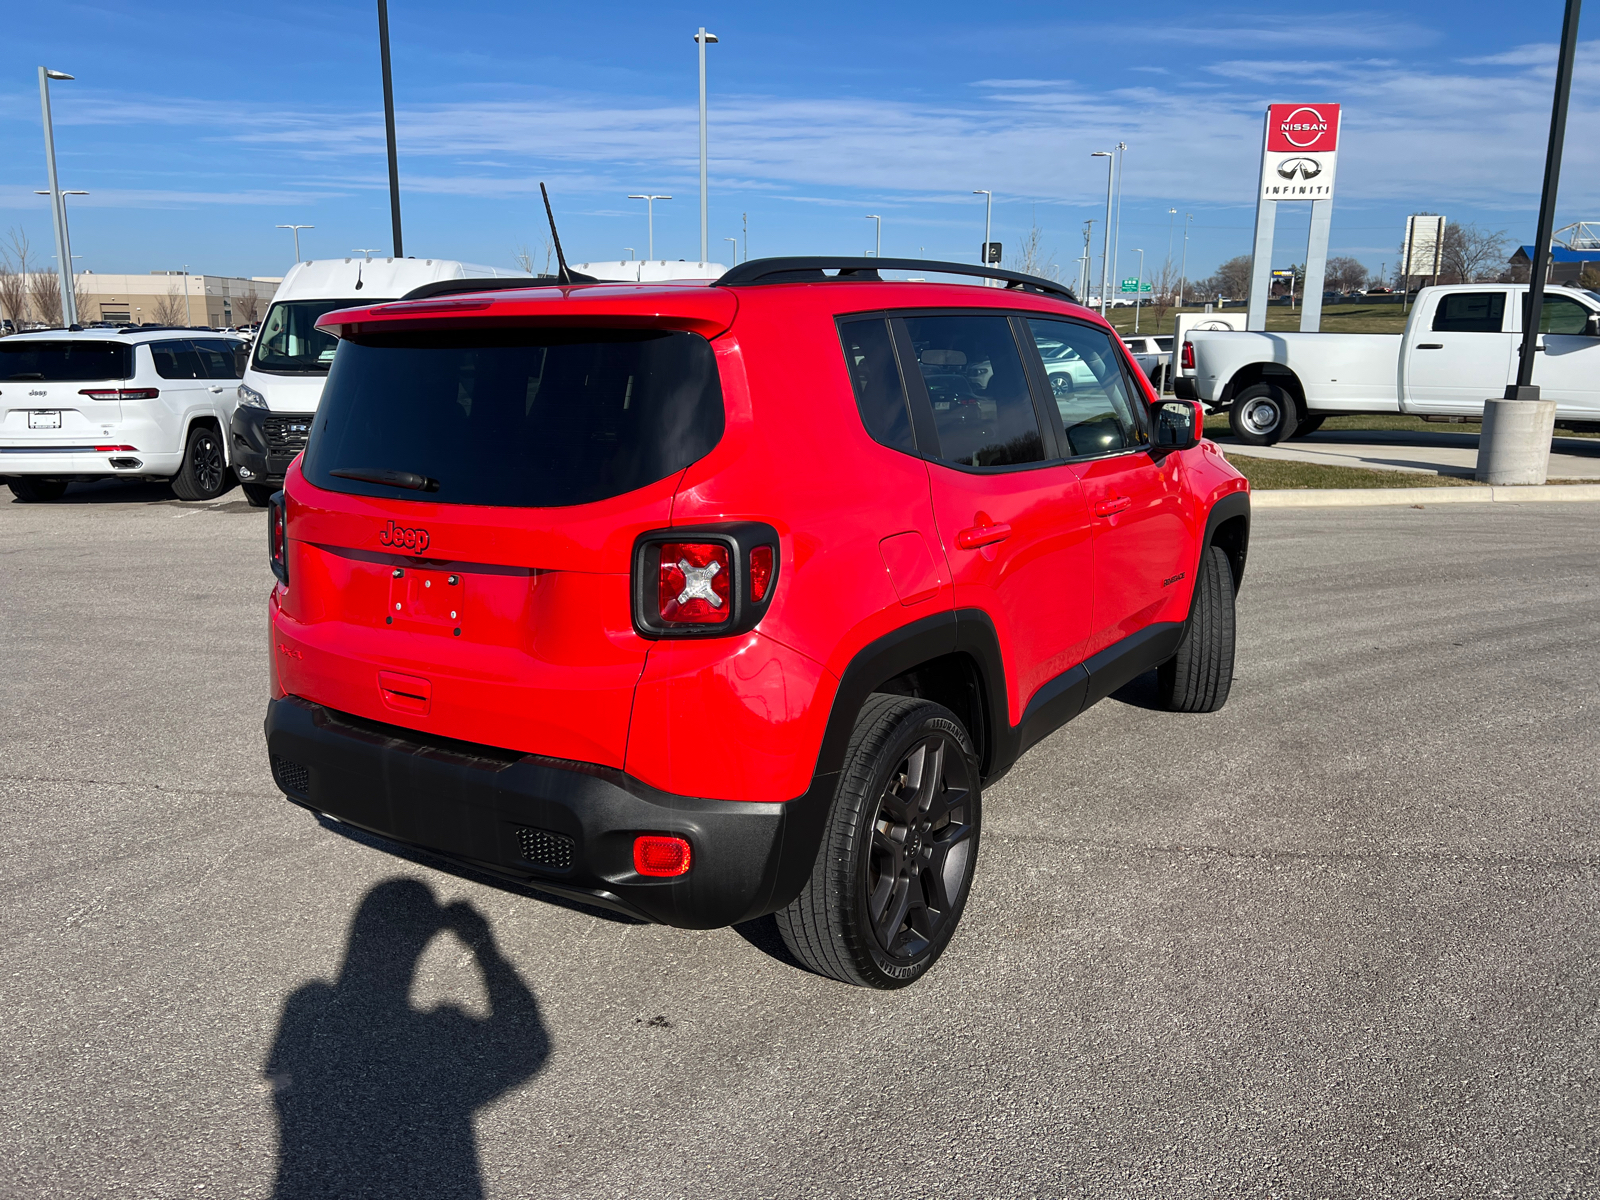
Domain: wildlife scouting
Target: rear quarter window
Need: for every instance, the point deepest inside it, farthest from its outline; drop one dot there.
(1470, 312)
(519, 418)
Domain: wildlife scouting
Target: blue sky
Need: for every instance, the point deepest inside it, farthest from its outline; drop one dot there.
(199, 127)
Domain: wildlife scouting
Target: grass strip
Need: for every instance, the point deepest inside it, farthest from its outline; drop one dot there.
(1272, 473)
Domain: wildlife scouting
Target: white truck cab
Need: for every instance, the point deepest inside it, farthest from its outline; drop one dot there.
(289, 363)
(1459, 348)
(140, 403)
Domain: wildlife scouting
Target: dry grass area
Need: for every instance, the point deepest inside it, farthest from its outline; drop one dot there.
(1336, 318)
(1270, 474)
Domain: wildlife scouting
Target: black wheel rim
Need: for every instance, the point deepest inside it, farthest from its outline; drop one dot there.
(206, 459)
(921, 851)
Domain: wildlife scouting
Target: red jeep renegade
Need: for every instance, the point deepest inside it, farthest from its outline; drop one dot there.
(708, 601)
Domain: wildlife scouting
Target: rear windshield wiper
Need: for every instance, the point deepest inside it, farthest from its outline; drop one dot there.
(404, 479)
(28, 375)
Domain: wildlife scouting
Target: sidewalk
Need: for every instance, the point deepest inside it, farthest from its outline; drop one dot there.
(1443, 453)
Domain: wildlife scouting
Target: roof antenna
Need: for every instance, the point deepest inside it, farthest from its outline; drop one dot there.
(561, 259)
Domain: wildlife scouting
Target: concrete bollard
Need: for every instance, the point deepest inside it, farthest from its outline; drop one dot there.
(1515, 445)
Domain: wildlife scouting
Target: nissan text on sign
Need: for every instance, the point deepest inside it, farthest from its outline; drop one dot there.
(1301, 152)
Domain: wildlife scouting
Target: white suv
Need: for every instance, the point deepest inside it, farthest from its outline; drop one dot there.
(143, 403)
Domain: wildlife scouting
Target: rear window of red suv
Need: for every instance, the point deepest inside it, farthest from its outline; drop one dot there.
(516, 418)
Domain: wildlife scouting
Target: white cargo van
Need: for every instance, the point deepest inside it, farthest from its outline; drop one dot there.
(289, 364)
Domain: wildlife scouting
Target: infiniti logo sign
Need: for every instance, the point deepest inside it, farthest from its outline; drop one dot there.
(1302, 168)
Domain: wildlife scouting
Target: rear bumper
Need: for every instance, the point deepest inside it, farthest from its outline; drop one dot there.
(260, 451)
(491, 809)
(69, 462)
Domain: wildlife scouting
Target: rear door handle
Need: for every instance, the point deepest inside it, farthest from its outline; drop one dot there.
(1116, 504)
(1431, 346)
(214, 389)
(982, 535)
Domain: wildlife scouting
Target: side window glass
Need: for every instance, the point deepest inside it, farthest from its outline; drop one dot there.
(979, 390)
(875, 376)
(1091, 391)
(1470, 312)
(1558, 314)
(176, 360)
(219, 359)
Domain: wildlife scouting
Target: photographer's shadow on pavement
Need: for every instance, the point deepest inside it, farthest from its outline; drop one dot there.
(376, 1098)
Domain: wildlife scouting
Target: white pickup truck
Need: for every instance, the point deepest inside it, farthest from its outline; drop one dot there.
(1460, 347)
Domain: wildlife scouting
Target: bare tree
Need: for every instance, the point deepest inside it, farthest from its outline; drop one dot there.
(526, 259)
(14, 282)
(46, 290)
(1164, 291)
(169, 308)
(1471, 254)
(80, 298)
(246, 308)
(1032, 258)
(1345, 273)
(1231, 279)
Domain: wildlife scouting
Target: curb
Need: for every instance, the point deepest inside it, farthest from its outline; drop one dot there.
(1364, 497)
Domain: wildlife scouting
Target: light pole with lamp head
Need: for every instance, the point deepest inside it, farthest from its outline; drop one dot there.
(64, 195)
(988, 210)
(702, 39)
(1183, 271)
(1138, 290)
(1105, 241)
(58, 206)
(735, 242)
(1116, 238)
(297, 229)
(366, 255)
(878, 244)
(629, 249)
(650, 217)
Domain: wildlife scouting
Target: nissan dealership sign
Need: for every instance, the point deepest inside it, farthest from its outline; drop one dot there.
(1301, 151)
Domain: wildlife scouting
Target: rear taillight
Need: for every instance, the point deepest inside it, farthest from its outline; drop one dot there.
(120, 393)
(1188, 356)
(113, 449)
(278, 537)
(705, 580)
(662, 857)
(694, 585)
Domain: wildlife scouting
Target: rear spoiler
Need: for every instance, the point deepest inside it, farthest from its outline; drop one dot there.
(445, 287)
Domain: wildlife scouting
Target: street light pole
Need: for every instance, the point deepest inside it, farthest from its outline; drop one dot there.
(297, 229)
(188, 318)
(388, 127)
(1105, 241)
(366, 255)
(988, 210)
(878, 251)
(1116, 238)
(701, 39)
(1138, 290)
(58, 205)
(629, 249)
(735, 242)
(1183, 272)
(650, 216)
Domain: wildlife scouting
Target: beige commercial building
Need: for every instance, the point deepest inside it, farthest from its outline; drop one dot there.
(159, 298)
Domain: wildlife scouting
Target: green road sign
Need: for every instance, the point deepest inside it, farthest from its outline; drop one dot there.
(1133, 285)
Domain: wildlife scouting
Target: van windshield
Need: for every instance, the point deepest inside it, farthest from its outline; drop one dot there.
(69, 361)
(531, 418)
(290, 342)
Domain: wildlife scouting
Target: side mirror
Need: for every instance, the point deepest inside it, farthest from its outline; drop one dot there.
(1592, 325)
(1177, 424)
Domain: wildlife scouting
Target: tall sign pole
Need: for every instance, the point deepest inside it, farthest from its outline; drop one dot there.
(388, 126)
(58, 202)
(1299, 155)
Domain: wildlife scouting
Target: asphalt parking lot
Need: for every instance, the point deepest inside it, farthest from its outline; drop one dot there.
(1339, 939)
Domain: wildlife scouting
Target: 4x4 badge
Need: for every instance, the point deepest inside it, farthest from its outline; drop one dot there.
(414, 540)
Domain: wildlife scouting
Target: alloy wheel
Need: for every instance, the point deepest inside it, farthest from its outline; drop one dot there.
(206, 458)
(1261, 416)
(921, 846)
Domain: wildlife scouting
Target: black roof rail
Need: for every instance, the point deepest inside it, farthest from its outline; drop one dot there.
(445, 287)
(814, 270)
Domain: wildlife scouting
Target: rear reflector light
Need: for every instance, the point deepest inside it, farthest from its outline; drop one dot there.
(113, 449)
(760, 572)
(278, 537)
(120, 393)
(662, 857)
(695, 586)
(1188, 356)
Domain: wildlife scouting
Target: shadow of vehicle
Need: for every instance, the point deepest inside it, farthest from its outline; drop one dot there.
(376, 1098)
(112, 490)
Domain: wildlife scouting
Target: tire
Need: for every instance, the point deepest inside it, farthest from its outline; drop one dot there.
(37, 491)
(1198, 677)
(258, 494)
(1310, 425)
(204, 474)
(1263, 414)
(867, 916)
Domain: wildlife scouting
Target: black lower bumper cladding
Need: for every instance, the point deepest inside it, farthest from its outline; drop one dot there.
(561, 826)
(265, 443)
